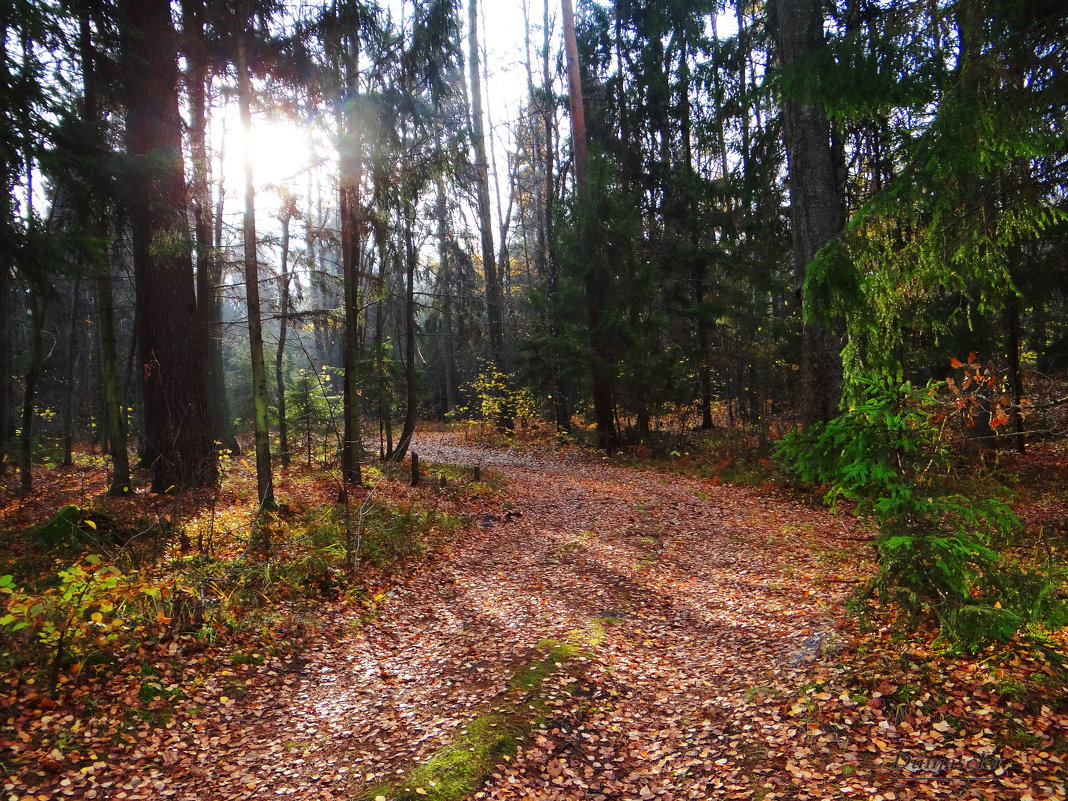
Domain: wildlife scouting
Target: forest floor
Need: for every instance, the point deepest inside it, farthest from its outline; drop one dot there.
(600, 631)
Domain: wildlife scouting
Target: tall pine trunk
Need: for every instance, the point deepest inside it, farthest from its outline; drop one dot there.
(177, 433)
(561, 410)
(5, 331)
(494, 301)
(29, 387)
(72, 361)
(283, 328)
(816, 207)
(445, 284)
(209, 268)
(114, 418)
(6, 250)
(264, 474)
(351, 159)
(411, 392)
(595, 280)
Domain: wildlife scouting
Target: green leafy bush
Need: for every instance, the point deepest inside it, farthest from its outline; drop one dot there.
(889, 454)
(497, 396)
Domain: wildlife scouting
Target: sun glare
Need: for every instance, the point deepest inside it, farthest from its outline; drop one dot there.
(280, 153)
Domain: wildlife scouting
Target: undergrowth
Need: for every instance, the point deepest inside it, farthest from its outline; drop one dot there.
(79, 590)
(938, 545)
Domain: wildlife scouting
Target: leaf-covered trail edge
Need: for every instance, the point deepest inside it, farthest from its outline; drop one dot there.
(704, 610)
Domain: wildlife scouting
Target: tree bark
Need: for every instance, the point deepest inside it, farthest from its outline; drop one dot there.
(5, 333)
(1012, 314)
(264, 474)
(385, 414)
(561, 410)
(209, 269)
(411, 258)
(351, 159)
(494, 301)
(114, 417)
(178, 436)
(283, 327)
(816, 207)
(68, 390)
(445, 283)
(29, 388)
(595, 280)
(6, 258)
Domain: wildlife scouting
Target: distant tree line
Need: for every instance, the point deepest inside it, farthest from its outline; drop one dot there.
(704, 214)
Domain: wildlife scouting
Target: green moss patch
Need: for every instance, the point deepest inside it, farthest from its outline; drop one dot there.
(531, 676)
(458, 770)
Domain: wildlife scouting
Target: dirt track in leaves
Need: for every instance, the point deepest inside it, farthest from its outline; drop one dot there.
(686, 597)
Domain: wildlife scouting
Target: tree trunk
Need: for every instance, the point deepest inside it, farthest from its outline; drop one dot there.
(209, 269)
(1012, 313)
(6, 259)
(595, 280)
(6, 427)
(113, 405)
(816, 208)
(494, 301)
(177, 433)
(283, 328)
(561, 411)
(68, 390)
(29, 389)
(381, 377)
(349, 211)
(411, 258)
(445, 283)
(574, 89)
(114, 417)
(264, 474)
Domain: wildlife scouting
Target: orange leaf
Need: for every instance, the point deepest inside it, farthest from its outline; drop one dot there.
(955, 362)
(972, 358)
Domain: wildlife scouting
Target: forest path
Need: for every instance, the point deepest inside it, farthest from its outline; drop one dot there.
(688, 597)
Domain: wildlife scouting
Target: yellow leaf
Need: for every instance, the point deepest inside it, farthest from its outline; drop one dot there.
(96, 617)
(420, 790)
(380, 798)
(91, 524)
